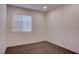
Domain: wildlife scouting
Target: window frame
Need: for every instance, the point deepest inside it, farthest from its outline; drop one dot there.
(21, 30)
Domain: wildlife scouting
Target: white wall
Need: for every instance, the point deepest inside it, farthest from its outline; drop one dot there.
(63, 27)
(3, 26)
(38, 27)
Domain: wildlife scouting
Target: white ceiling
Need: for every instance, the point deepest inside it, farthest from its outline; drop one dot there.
(39, 7)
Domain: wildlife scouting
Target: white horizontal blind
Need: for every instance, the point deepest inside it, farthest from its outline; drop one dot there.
(21, 23)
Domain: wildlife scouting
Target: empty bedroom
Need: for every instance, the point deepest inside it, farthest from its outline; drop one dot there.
(39, 28)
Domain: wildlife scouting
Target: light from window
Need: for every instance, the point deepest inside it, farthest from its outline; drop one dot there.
(21, 23)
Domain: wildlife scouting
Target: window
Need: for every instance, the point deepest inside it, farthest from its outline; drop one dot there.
(22, 23)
